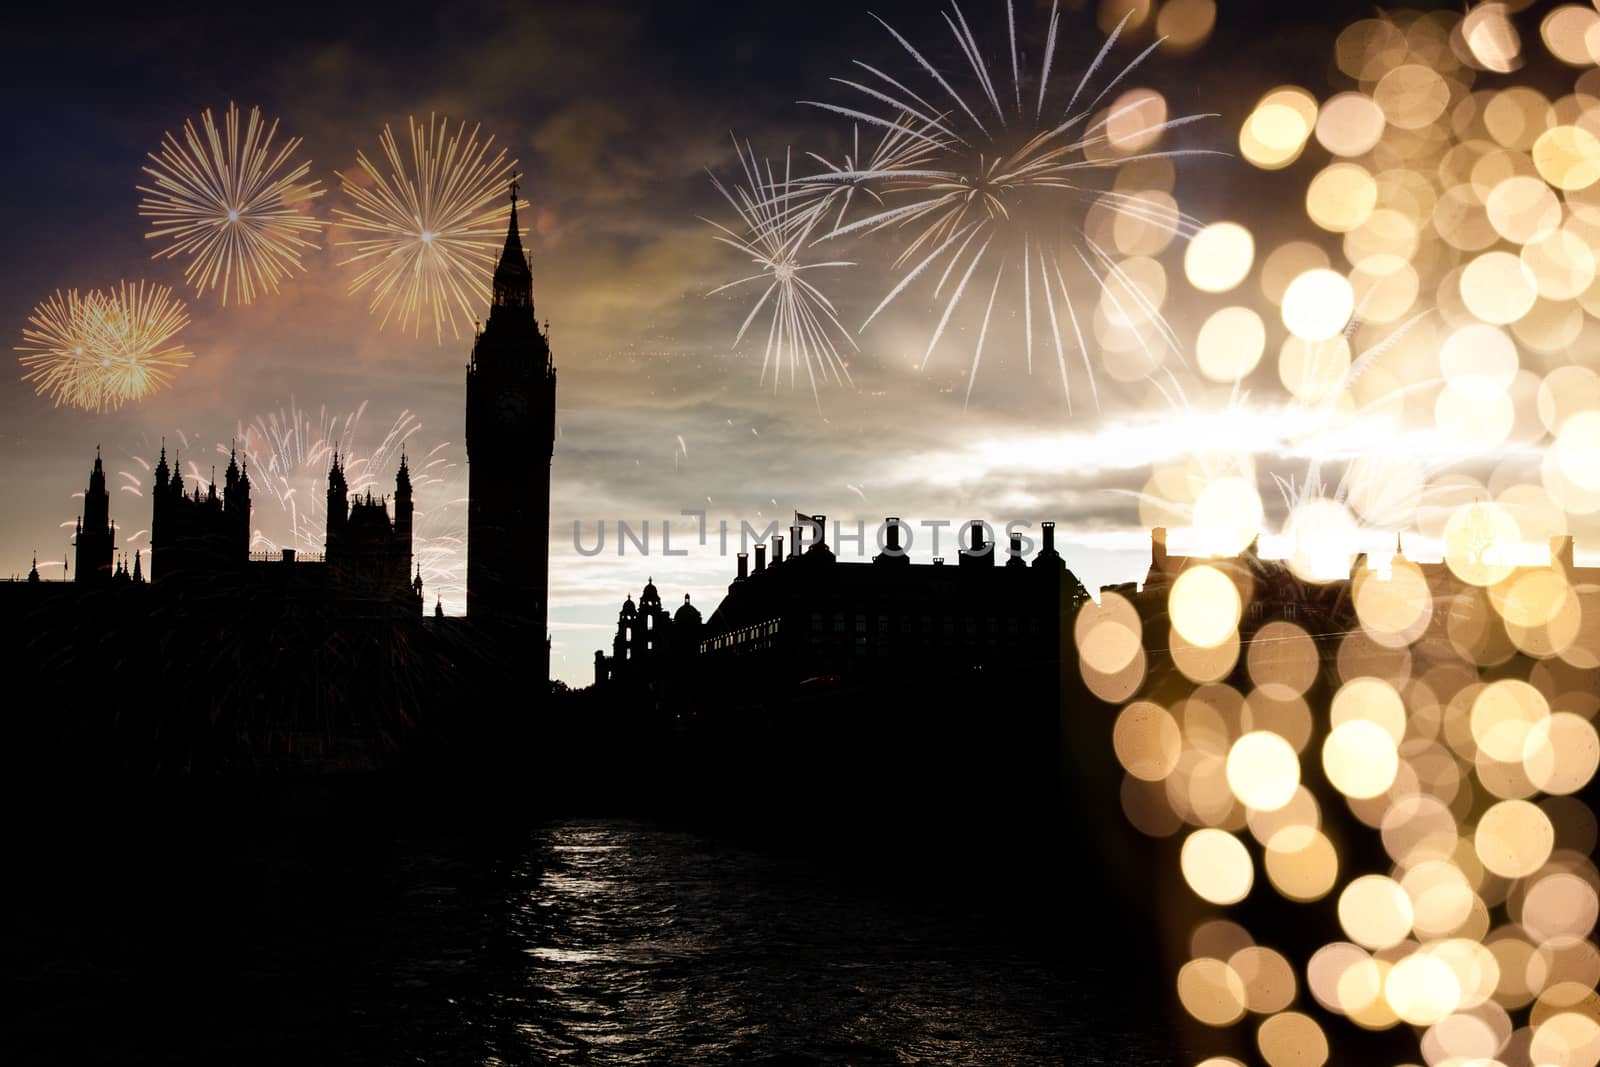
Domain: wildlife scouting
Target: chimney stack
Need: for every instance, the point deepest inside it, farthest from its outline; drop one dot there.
(777, 549)
(1049, 536)
(1158, 547)
(761, 558)
(744, 565)
(891, 542)
(822, 528)
(1015, 555)
(795, 543)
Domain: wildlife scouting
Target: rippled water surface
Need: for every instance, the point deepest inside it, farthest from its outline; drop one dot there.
(581, 942)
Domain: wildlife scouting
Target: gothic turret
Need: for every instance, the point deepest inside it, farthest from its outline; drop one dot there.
(338, 503)
(94, 534)
(403, 510)
(236, 504)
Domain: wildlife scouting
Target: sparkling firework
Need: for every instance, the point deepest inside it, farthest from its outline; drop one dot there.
(778, 221)
(988, 197)
(105, 349)
(235, 208)
(287, 453)
(426, 234)
(57, 350)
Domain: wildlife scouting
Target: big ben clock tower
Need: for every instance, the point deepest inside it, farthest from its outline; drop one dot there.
(511, 419)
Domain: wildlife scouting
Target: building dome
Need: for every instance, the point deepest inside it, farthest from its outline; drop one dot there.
(628, 611)
(649, 597)
(687, 614)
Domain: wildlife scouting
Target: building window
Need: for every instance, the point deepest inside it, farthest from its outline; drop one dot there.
(838, 622)
(861, 624)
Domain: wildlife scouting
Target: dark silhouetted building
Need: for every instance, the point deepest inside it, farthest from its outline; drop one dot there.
(511, 411)
(95, 534)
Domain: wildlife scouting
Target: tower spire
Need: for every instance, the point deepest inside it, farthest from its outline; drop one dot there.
(513, 280)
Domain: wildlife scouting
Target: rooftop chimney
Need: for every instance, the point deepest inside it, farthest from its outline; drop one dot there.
(761, 558)
(744, 565)
(822, 528)
(1158, 546)
(891, 542)
(796, 545)
(1015, 555)
(977, 553)
(1049, 536)
(777, 549)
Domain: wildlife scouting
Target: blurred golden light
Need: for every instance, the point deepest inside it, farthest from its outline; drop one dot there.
(1211, 991)
(1301, 863)
(1350, 124)
(1230, 343)
(1565, 31)
(1522, 208)
(1372, 700)
(1318, 303)
(1341, 197)
(1277, 129)
(1498, 287)
(1134, 120)
(1421, 989)
(1216, 866)
(1559, 905)
(1491, 37)
(1515, 117)
(1185, 24)
(1263, 771)
(1411, 96)
(1360, 759)
(1568, 157)
(1561, 753)
(1286, 263)
(1204, 606)
(1477, 538)
(1479, 360)
(1503, 715)
(1514, 838)
(1291, 1039)
(1269, 984)
(1219, 257)
(1282, 660)
(1577, 449)
(1147, 741)
(1375, 912)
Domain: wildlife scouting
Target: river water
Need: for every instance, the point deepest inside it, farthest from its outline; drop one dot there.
(574, 941)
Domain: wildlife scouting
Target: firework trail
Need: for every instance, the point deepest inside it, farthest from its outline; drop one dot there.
(778, 220)
(104, 349)
(987, 192)
(234, 207)
(425, 234)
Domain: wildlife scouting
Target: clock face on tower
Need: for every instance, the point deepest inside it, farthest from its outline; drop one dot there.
(510, 406)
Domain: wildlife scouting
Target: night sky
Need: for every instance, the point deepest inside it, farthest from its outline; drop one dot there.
(615, 111)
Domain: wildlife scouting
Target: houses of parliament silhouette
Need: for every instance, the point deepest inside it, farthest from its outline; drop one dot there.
(309, 659)
(201, 539)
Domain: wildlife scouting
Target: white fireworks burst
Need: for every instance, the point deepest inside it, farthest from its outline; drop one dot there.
(986, 191)
(778, 219)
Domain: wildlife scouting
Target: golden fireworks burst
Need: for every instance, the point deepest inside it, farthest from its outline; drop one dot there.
(236, 208)
(425, 235)
(104, 349)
